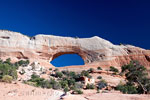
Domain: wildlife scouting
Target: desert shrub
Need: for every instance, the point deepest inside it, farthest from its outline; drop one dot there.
(23, 62)
(8, 61)
(77, 91)
(30, 83)
(66, 89)
(78, 85)
(38, 81)
(90, 86)
(50, 69)
(99, 68)
(71, 81)
(89, 76)
(56, 86)
(91, 70)
(65, 72)
(102, 84)
(64, 83)
(99, 77)
(128, 89)
(55, 70)
(72, 74)
(58, 74)
(6, 69)
(113, 69)
(46, 84)
(84, 73)
(7, 78)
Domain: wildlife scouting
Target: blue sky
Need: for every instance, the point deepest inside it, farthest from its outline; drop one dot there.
(119, 21)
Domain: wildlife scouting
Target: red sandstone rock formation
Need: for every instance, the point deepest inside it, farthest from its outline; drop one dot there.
(44, 48)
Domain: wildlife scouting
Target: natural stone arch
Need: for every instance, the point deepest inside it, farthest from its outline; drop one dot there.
(43, 48)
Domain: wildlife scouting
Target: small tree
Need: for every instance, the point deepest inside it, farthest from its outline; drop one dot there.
(99, 68)
(113, 69)
(137, 75)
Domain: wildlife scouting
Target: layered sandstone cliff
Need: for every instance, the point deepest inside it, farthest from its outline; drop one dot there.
(44, 48)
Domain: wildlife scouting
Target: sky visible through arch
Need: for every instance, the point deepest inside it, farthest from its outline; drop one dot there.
(119, 21)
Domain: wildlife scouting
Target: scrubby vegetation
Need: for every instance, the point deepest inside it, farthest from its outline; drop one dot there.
(99, 77)
(137, 79)
(7, 78)
(65, 80)
(91, 70)
(127, 89)
(99, 68)
(90, 86)
(8, 70)
(102, 84)
(113, 69)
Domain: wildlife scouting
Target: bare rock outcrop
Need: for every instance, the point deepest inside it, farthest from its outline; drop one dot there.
(29, 70)
(45, 48)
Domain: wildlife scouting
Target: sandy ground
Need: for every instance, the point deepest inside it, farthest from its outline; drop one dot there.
(21, 91)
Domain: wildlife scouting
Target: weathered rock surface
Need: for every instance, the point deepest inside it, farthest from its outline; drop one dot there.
(44, 48)
(29, 70)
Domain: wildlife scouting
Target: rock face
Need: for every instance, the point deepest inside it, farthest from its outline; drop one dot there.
(29, 70)
(45, 48)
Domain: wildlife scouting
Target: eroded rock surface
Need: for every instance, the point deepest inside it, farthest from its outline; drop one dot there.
(44, 48)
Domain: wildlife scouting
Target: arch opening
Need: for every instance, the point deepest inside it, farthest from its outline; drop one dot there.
(67, 60)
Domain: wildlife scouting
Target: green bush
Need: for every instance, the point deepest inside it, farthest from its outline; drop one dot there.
(84, 73)
(65, 72)
(56, 70)
(99, 77)
(50, 69)
(23, 62)
(91, 70)
(64, 83)
(89, 76)
(7, 78)
(78, 85)
(30, 83)
(58, 74)
(56, 86)
(8, 61)
(38, 81)
(113, 69)
(46, 84)
(66, 89)
(102, 84)
(71, 81)
(99, 68)
(77, 91)
(6, 69)
(90, 86)
(127, 89)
